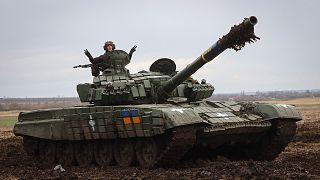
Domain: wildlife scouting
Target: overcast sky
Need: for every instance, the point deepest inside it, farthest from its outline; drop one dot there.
(41, 40)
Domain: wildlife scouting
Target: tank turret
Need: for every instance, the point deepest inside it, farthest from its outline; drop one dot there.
(161, 84)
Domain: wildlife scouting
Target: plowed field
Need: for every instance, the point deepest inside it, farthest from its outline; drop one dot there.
(300, 160)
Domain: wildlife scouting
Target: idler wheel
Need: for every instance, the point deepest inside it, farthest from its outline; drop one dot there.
(124, 152)
(31, 145)
(83, 153)
(103, 152)
(47, 151)
(65, 153)
(147, 151)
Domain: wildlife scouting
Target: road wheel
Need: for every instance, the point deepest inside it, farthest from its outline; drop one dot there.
(103, 152)
(147, 150)
(124, 152)
(83, 153)
(65, 153)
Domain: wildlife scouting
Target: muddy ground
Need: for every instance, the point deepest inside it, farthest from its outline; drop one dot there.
(300, 160)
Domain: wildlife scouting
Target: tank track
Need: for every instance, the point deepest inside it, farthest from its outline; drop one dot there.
(278, 139)
(271, 145)
(175, 145)
(180, 141)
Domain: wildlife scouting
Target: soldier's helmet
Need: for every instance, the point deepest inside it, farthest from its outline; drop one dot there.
(109, 43)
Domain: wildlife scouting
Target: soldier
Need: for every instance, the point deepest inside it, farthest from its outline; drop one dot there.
(109, 46)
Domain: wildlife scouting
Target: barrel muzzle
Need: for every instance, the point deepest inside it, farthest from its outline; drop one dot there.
(253, 20)
(240, 34)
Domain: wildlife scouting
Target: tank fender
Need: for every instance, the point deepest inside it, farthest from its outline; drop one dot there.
(180, 116)
(46, 129)
(272, 111)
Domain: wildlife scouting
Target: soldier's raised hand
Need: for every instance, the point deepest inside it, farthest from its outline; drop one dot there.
(86, 52)
(133, 49)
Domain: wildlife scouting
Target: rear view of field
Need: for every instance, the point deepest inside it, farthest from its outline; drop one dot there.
(300, 160)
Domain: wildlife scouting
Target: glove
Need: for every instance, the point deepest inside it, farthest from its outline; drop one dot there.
(87, 53)
(133, 49)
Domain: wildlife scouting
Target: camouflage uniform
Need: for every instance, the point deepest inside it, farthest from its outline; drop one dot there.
(102, 62)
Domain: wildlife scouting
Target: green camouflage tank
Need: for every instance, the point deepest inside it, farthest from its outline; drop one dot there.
(154, 118)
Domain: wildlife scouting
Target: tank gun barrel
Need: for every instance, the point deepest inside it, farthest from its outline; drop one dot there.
(238, 36)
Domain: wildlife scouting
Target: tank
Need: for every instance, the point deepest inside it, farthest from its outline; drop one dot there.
(155, 118)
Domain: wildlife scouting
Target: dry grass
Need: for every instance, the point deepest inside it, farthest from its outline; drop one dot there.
(300, 101)
(9, 113)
